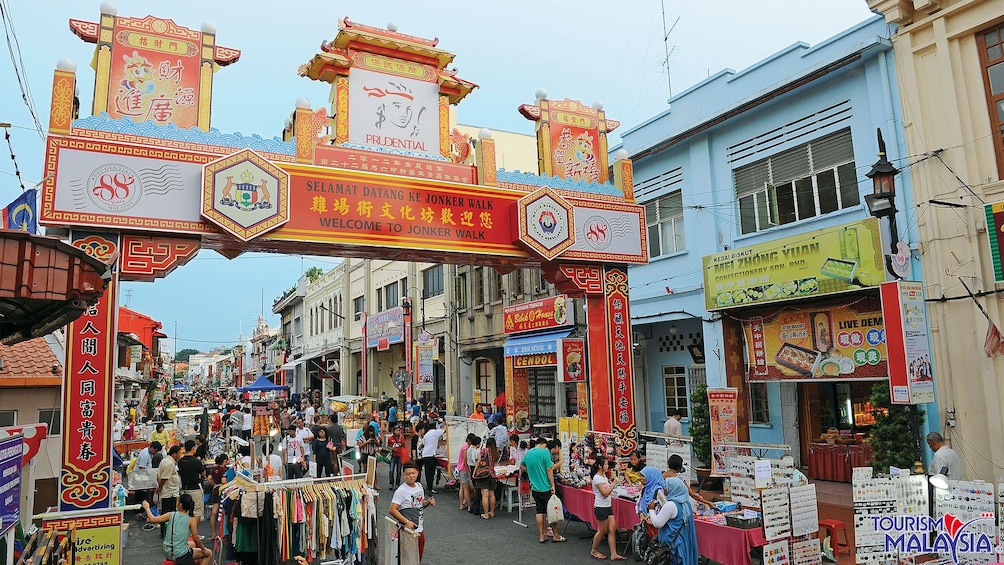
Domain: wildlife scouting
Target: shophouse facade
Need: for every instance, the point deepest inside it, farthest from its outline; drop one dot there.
(950, 71)
(744, 172)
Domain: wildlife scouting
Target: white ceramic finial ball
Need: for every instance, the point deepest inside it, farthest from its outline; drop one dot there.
(392, 26)
(597, 105)
(109, 9)
(541, 94)
(303, 103)
(289, 122)
(620, 154)
(66, 65)
(485, 133)
(209, 27)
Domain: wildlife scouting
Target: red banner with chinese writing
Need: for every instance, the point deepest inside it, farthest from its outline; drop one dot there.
(759, 346)
(353, 207)
(575, 141)
(154, 72)
(88, 381)
(620, 345)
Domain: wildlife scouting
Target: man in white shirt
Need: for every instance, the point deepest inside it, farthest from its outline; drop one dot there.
(293, 446)
(246, 424)
(308, 415)
(673, 427)
(944, 456)
(117, 430)
(168, 483)
(306, 436)
(430, 442)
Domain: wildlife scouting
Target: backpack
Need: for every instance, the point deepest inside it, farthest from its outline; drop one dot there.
(640, 541)
(483, 468)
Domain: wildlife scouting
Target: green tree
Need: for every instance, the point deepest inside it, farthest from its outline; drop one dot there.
(184, 355)
(895, 433)
(314, 273)
(700, 424)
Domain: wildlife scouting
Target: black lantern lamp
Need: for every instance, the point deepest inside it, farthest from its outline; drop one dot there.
(882, 201)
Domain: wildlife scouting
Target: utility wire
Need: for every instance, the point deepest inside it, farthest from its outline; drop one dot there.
(17, 171)
(17, 62)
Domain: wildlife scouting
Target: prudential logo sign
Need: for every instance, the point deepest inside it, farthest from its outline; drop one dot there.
(952, 536)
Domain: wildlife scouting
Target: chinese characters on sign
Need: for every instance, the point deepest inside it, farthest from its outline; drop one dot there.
(832, 342)
(98, 538)
(154, 76)
(619, 337)
(85, 478)
(396, 210)
(722, 404)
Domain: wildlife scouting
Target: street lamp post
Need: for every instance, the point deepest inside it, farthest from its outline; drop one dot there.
(406, 304)
(882, 201)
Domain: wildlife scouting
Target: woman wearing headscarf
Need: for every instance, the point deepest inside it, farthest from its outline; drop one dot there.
(653, 482)
(675, 514)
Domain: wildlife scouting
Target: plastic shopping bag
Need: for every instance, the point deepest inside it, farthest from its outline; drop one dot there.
(555, 511)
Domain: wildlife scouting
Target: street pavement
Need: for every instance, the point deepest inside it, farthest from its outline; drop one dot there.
(452, 536)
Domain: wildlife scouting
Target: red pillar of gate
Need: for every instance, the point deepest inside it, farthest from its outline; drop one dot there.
(88, 388)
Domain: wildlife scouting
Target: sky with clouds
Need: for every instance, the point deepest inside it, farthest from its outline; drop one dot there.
(590, 50)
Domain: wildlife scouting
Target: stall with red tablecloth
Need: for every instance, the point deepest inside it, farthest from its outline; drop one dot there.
(725, 544)
(833, 462)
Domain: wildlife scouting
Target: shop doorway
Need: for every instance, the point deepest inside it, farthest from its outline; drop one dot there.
(543, 402)
(844, 406)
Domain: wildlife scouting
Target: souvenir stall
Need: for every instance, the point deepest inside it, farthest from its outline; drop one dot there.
(658, 447)
(770, 509)
(333, 518)
(263, 395)
(894, 524)
(352, 411)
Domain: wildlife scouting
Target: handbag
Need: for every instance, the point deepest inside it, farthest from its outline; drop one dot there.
(482, 469)
(659, 554)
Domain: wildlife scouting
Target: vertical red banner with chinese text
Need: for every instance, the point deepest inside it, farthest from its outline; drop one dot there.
(615, 291)
(88, 386)
(759, 346)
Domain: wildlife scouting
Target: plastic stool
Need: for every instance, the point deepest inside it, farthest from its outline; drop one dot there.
(831, 526)
(511, 497)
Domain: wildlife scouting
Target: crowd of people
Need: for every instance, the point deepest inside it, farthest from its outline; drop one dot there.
(314, 443)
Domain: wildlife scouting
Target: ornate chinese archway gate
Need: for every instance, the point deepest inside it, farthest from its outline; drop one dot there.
(128, 181)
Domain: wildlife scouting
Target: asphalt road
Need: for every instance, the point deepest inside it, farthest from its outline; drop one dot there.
(453, 537)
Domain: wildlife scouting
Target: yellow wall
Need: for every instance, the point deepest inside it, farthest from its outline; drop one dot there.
(944, 107)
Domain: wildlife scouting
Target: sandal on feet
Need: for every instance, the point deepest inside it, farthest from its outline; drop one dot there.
(618, 558)
(559, 540)
(542, 540)
(597, 555)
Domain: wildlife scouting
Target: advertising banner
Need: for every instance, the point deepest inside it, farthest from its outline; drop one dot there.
(397, 108)
(995, 227)
(426, 362)
(519, 417)
(535, 360)
(610, 233)
(838, 259)
(723, 405)
(831, 343)
(265, 417)
(548, 313)
(387, 326)
(99, 538)
(85, 477)
(911, 371)
(10, 482)
(571, 360)
(155, 72)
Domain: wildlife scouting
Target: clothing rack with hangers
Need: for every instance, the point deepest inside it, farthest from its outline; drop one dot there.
(330, 516)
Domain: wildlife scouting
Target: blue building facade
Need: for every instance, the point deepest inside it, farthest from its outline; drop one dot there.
(775, 153)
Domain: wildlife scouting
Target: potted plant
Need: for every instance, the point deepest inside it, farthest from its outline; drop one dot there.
(700, 430)
(893, 423)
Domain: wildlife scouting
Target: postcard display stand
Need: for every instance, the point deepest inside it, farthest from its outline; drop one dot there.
(657, 455)
(790, 514)
(969, 500)
(879, 497)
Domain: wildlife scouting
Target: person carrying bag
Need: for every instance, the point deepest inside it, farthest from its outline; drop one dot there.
(176, 546)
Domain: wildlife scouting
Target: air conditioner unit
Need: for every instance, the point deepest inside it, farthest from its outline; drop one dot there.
(333, 366)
